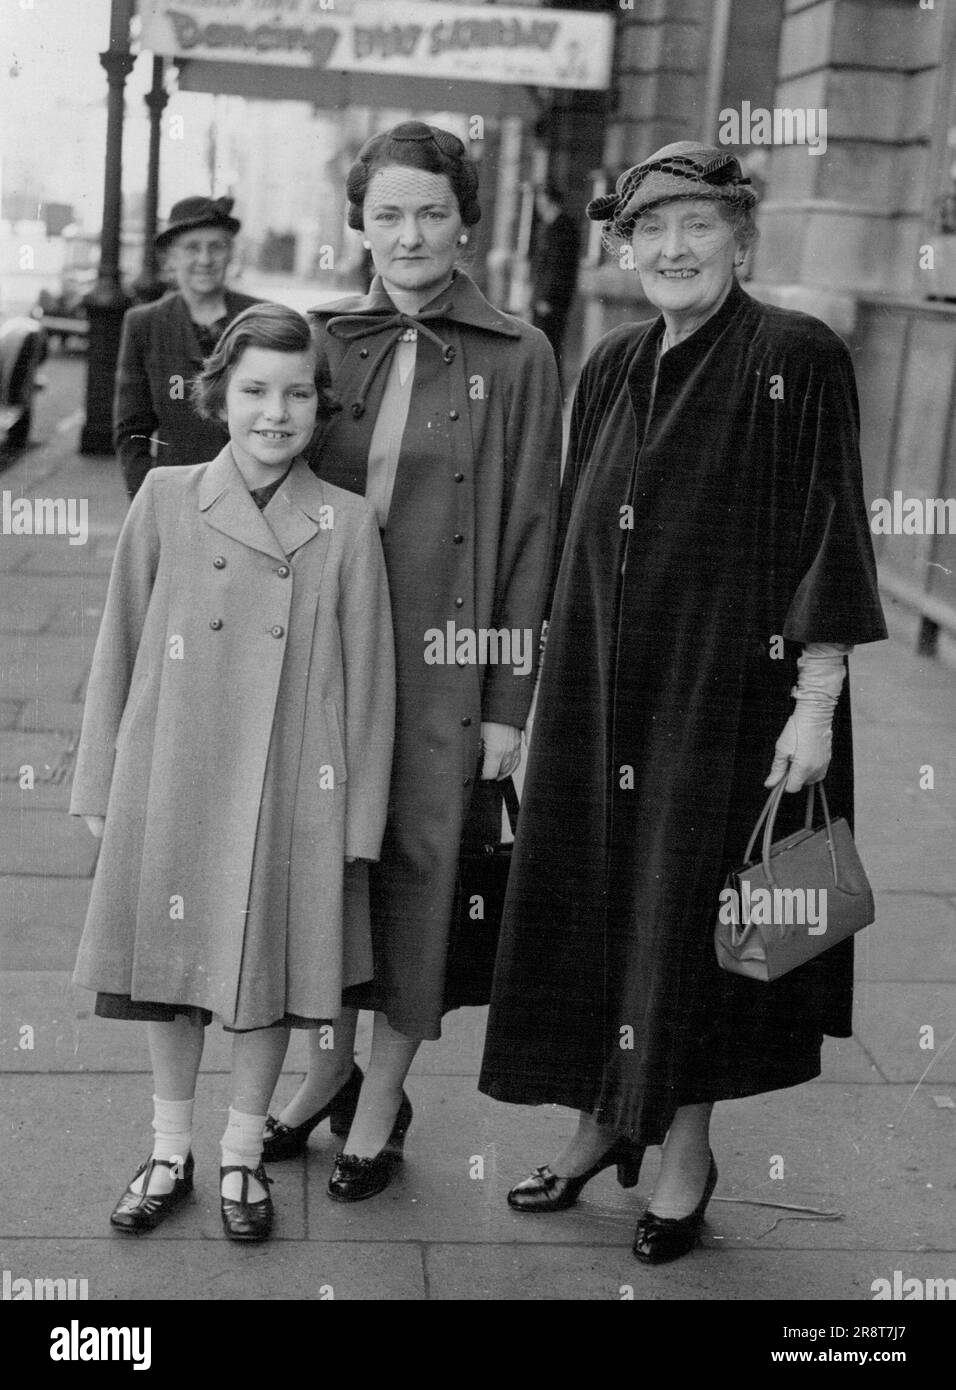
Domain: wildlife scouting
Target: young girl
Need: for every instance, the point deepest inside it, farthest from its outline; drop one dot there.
(235, 760)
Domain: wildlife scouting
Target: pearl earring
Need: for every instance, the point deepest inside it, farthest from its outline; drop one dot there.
(463, 239)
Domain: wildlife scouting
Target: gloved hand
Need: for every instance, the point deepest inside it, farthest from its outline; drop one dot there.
(806, 743)
(501, 750)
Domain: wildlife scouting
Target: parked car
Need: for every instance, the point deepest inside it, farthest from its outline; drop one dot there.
(21, 352)
(61, 311)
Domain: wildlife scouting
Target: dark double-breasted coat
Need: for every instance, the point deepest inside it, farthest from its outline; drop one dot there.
(237, 737)
(159, 353)
(468, 542)
(713, 526)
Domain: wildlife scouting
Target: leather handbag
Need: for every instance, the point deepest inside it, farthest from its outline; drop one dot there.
(483, 866)
(803, 895)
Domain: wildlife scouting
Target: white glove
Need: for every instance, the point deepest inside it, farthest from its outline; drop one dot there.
(806, 744)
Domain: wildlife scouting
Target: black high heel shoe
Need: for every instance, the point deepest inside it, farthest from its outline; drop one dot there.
(136, 1212)
(288, 1141)
(353, 1179)
(245, 1220)
(659, 1239)
(546, 1191)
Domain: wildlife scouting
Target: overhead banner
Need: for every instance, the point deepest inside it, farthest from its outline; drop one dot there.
(401, 38)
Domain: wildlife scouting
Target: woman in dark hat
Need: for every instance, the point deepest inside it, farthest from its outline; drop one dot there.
(717, 561)
(163, 344)
(451, 428)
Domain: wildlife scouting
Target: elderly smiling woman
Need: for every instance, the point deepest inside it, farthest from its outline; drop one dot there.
(717, 560)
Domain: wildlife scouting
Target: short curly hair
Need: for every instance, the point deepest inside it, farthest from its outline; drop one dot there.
(418, 146)
(272, 326)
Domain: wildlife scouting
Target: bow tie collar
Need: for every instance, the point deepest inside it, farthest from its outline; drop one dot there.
(393, 326)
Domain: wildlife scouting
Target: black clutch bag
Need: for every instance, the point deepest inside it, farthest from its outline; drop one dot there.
(483, 867)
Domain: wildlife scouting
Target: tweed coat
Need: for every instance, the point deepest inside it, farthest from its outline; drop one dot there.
(715, 522)
(469, 542)
(237, 736)
(158, 354)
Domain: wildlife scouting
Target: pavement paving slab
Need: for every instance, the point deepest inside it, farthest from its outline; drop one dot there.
(45, 842)
(40, 922)
(41, 715)
(890, 1023)
(539, 1273)
(145, 1269)
(913, 939)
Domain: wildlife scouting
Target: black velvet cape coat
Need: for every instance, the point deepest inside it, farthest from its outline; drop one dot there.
(660, 703)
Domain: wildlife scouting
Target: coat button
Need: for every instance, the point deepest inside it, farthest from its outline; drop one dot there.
(277, 631)
(458, 538)
(466, 722)
(459, 603)
(283, 571)
(363, 352)
(459, 477)
(466, 781)
(215, 624)
(453, 414)
(220, 562)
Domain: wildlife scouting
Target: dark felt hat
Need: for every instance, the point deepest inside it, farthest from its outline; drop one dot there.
(685, 169)
(190, 213)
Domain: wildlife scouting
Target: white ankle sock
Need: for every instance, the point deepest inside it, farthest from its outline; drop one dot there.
(172, 1128)
(242, 1141)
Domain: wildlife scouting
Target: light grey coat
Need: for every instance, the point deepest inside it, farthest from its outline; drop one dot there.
(237, 736)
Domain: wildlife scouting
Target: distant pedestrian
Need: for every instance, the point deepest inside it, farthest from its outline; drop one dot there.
(235, 758)
(554, 266)
(163, 345)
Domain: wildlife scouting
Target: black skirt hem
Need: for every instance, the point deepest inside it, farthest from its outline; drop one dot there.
(122, 1006)
(623, 1119)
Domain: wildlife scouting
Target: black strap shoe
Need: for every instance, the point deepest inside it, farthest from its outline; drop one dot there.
(353, 1179)
(245, 1220)
(288, 1141)
(136, 1212)
(660, 1239)
(545, 1190)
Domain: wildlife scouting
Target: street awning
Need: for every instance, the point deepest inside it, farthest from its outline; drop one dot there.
(490, 60)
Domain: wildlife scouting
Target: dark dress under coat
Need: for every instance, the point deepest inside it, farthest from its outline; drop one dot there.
(469, 540)
(749, 522)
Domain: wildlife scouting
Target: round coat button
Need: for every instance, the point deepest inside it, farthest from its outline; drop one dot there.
(459, 477)
(466, 722)
(215, 624)
(283, 571)
(453, 414)
(363, 352)
(458, 538)
(277, 631)
(220, 562)
(459, 603)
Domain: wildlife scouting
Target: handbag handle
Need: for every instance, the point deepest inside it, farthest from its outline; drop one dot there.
(767, 819)
(512, 805)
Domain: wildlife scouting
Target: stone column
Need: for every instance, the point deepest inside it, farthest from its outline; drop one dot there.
(849, 220)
